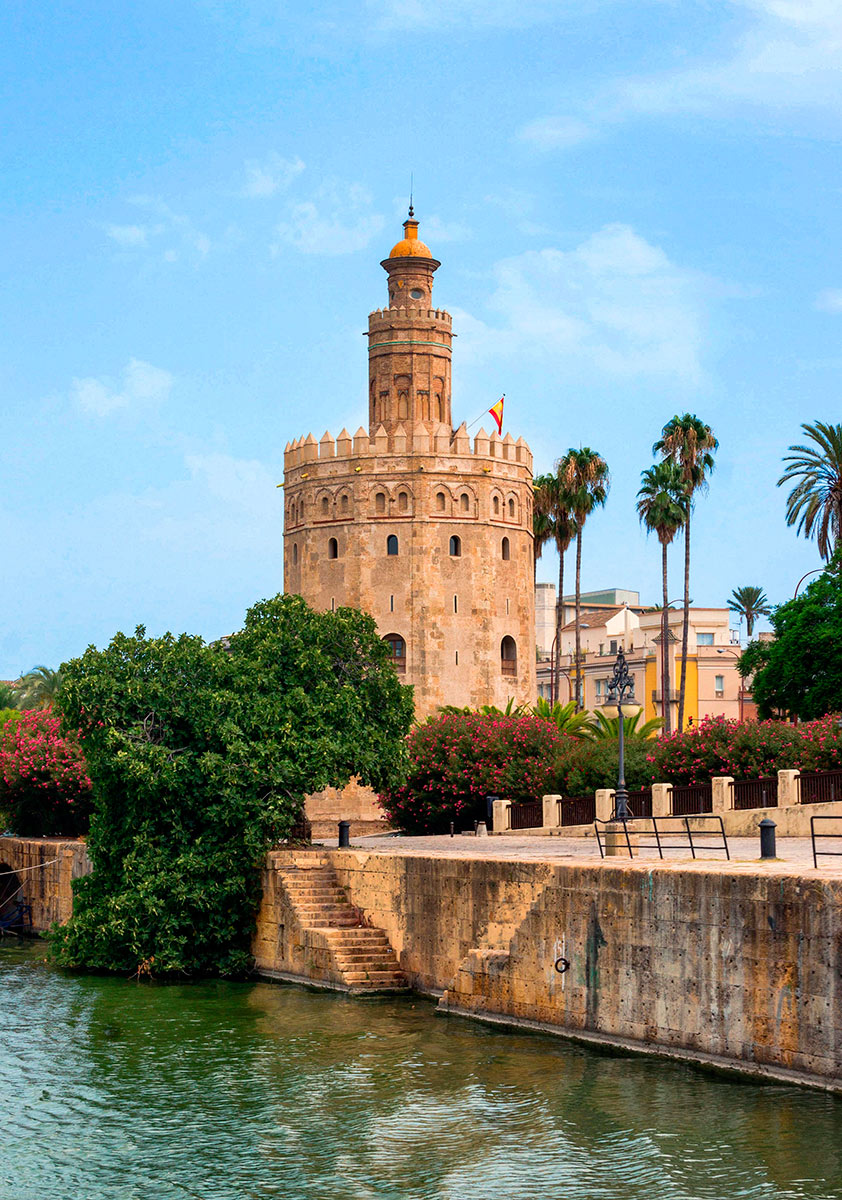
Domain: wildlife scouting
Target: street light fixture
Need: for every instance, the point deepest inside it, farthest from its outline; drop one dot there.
(621, 694)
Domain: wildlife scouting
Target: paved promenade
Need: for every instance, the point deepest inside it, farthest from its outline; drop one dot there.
(793, 853)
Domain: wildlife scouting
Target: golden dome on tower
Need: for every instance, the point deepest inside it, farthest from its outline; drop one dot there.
(410, 246)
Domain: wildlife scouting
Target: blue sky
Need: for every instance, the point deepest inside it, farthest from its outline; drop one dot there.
(636, 206)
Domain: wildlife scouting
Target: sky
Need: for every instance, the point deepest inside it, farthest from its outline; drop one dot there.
(636, 205)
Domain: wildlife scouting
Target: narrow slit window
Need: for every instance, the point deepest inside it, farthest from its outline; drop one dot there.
(440, 501)
(332, 548)
(464, 502)
(506, 550)
(295, 554)
(391, 604)
(456, 604)
(380, 502)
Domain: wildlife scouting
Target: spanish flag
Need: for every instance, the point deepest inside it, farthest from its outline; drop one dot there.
(496, 411)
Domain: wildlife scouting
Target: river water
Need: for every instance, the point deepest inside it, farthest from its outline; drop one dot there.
(238, 1091)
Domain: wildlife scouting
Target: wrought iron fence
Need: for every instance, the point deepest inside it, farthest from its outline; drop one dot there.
(820, 787)
(755, 793)
(578, 810)
(640, 802)
(692, 798)
(528, 815)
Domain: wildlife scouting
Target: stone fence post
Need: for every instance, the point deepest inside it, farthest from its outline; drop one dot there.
(722, 793)
(604, 805)
(661, 799)
(551, 818)
(501, 815)
(789, 789)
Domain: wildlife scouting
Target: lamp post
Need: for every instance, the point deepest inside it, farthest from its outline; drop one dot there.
(621, 693)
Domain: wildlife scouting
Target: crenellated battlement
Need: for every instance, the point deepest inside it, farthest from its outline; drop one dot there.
(405, 441)
(395, 314)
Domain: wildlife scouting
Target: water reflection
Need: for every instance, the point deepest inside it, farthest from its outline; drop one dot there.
(111, 1089)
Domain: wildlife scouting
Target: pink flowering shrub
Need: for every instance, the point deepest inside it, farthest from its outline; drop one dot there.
(458, 759)
(44, 784)
(745, 749)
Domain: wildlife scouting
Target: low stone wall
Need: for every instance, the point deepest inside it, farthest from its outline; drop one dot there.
(354, 803)
(46, 868)
(729, 965)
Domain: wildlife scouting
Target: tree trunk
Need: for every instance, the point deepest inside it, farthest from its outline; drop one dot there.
(685, 633)
(666, 706)
(579, 705)
(749, 626)
(559, 622)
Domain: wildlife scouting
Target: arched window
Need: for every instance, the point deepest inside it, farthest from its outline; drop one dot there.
(455, 547)
(325, 506)
(343, 504)
(380, 502)
(495, 504)
(397, 647)
(440, 501)
(508, 656)
(464, 502)
(332, 548)
(391, 545)
(512, 509)
(403, 502)
(295, 554)
(507, 554)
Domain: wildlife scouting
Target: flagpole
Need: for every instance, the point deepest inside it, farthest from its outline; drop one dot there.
(482, 414)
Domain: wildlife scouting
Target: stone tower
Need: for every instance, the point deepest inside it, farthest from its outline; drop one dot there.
(414, 523)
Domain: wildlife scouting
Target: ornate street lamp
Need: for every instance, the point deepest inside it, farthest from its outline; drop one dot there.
(621, 694)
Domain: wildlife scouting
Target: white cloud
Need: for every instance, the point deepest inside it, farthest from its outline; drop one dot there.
(339, 220)
(272, 174)
(830, 300)
(172, 234)
(615, 304)
(556, 133)
(143, 386)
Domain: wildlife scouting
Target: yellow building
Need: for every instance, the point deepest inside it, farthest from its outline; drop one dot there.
(713, 686)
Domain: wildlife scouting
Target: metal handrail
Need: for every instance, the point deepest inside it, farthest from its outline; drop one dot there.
(814, 835)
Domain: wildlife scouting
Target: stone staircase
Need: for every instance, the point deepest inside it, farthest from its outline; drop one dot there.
(341, 949)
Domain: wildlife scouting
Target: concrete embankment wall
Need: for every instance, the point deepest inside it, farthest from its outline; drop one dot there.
(732, 966)
(45, 868)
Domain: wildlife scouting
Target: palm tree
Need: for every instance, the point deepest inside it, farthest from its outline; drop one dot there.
(573, 724)
(662, 508)
(585, 481)
(542, 521)
(815, 503)
(751, 603)
(9, 695)
(690, 444)
(39, 687)
(551, 499)
(608, 728)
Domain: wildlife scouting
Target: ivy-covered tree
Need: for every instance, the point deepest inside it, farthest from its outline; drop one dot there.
(800, 671)
(200, 757)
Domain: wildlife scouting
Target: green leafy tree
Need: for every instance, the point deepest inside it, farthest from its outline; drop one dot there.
(750, 603)
(690, 444)
(38, 688)
(200, 757)
(662, 509)
(814, 505)
(584, 482)
(800, 671)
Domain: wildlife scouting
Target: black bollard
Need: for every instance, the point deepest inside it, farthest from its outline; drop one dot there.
(767, 839)
(452, 828)
(344, 835)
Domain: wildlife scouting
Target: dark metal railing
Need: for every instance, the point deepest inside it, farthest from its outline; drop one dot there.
(692, 798)
(578, 810)
(755, 793)
(640, 802)
(527, 815)
(674, 833)
(817, 833)
(820, 787)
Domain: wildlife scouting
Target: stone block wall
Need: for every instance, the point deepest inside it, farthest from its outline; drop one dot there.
(46, 868)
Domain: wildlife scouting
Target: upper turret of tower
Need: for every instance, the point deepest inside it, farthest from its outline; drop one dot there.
(409, 342)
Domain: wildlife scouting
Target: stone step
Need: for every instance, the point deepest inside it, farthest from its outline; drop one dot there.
(319, 921)
(381, 978)
(364, 956)
(361, 934)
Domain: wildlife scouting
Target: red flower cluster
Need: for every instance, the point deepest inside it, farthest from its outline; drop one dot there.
(459, 759)
(44, 783)
(745, 749)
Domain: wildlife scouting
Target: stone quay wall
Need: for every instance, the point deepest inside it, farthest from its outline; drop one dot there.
(732, 965)
(46, 868)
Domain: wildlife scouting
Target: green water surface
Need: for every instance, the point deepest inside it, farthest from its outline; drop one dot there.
(112, 1089)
